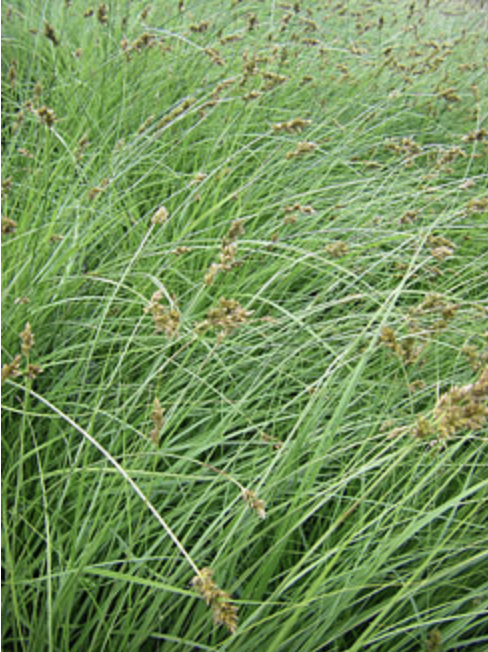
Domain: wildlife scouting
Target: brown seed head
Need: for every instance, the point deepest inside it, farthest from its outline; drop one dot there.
(224, 611)
(46, 116)
(27, 338)
(9, 226)
(254, 503)
(157, 417)
(102, 14)
(160, 216)
(11, 369)
(50, 33)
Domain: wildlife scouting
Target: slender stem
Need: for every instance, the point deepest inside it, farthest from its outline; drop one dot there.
(120, 469)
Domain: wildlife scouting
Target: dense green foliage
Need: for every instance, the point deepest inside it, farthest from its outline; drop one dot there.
(245, 324)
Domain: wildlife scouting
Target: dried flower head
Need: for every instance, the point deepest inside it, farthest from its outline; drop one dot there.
(12, 73)
(157, 418)
(307, 210)
(165, 319)
(252, 95)
(449, 94)
(337, 249)
(227, 256)
(442, 252)
(476, 136)
(27, 338)
(145, 40)
(33, 370)
(477, 205)
(254, 503)
(46, 116)
(82, 145)
(147, 122)
(37, 91)
(292, 126)
(10, 370)
(408, 217)
(302, 148)
(198, 178)
(236, 229)
(230, 38)
(272, 79)
(252, 22)
(180, 251)
(228, 252)
(9, 226)
(160, 216)
(199, 28)
(423, 428)
(7, 185)
(434, 641)
(228, 316)
(212, 272)
(463, 408)
(177, 111)
(408, 350)
(214, 56)
(145, 12)
(50, 33)
(102, 14)
(224, 611)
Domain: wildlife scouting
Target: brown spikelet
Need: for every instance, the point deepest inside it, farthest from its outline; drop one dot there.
(165, 319)
(463, 408)
(102, 14)
(223, 609)
(50, 33)
(33, 370)
(198, 28)
(254, 503)
(7, 185)
(228, 316)
(46, 116)
(295, 125)
(10, 370)
(157, 417)
(160, 216)
(12, 73)
(27, 339)
(337, 249)
(302, 148)
(9, 226)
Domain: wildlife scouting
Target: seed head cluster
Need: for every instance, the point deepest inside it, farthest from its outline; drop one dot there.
(226, 317)
(165, 319)
(224, 611)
